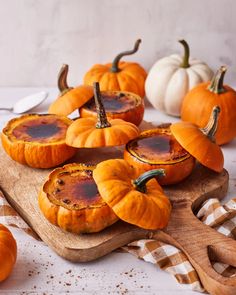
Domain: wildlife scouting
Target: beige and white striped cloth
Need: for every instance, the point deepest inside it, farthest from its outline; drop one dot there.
(169, 258)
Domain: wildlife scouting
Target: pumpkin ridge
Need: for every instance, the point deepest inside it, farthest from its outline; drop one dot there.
(117, 195)
(137, 85)
(8, 249)
(201, 74)
(123, 132)
(124, 80)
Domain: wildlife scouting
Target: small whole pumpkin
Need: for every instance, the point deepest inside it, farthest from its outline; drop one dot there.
(198, 103)
(170, 78)
(119, 75)
(8, 252)
(70, 98)
(139, 201)
(99, 132)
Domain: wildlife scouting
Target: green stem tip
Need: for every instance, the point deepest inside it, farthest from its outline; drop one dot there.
(115, 63)
(140, 182)
(210, 129)
(185, 63)
(102, 121)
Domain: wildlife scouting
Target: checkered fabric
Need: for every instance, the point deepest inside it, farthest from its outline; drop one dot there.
(167, 257)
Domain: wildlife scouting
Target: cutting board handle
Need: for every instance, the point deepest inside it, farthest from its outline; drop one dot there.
(201, 244)
(223, 250)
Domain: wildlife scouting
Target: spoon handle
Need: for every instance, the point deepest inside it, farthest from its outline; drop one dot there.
(6, 109)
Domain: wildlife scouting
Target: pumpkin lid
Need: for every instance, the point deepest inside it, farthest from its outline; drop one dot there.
(157, 146)
(141, 201)
(37, 128)
(91, 132)
(200, 142)
(70, 98)
(73, 187)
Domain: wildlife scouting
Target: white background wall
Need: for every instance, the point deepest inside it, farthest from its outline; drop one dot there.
(37, 36)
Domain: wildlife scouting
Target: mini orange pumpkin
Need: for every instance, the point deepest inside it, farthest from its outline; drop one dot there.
(198, 103)
(124, 76)
(137, 201)
(8, 252)
(70, 199)
(70, 98)
(91, 132)
(118, 105)
(157, 148)
(200, 142)
(37, 140)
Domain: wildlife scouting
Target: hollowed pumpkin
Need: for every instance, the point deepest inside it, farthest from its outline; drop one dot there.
(8, 252)
(139, 201)
(70, 199)
(91, 132)
(37, 140)
(70, 98)
(118, 105)
(157, 148)
(118, 75)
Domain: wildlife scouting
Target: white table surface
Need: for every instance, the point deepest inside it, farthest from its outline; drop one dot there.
(39, 270)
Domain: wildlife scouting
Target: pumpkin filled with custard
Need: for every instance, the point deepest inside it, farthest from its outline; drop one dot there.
(37, 140)
(118, 105)
(158, 148)
(70, 199)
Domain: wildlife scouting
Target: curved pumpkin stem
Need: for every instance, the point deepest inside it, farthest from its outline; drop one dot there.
(114, 67)
(185, 63)
(211, 127)
(140, 182)
(102, 121)
(62, 79)
(217, 82)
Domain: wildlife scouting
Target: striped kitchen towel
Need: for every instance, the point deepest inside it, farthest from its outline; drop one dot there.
(8, 216)
(167, 257)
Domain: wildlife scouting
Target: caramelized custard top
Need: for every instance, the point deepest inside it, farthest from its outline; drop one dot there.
(41, 129)
(74, 190)
(157, 148)
(114, 103)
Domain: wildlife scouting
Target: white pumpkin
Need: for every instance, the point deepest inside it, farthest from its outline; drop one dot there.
(170, 78)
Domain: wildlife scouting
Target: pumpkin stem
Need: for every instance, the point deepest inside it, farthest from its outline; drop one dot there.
(217, 82)
(62, 80)
(185, 63)
(102, 121)
(140, 182)
(211, 126)
(114, 67)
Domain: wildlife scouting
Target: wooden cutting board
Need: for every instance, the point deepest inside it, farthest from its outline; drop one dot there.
(199, 242)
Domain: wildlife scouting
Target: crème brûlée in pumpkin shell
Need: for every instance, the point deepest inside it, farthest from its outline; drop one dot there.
(37, 140)
(118, 105)
(158, 148)
(70, 199)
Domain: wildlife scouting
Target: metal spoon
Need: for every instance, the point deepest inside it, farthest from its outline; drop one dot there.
(27, 103)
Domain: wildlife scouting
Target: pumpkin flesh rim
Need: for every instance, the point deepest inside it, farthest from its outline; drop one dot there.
(70, 168)
(149, 133)
(138, 101)
(13, 123)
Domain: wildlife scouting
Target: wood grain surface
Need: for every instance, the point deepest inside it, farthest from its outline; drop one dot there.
(199, 242)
